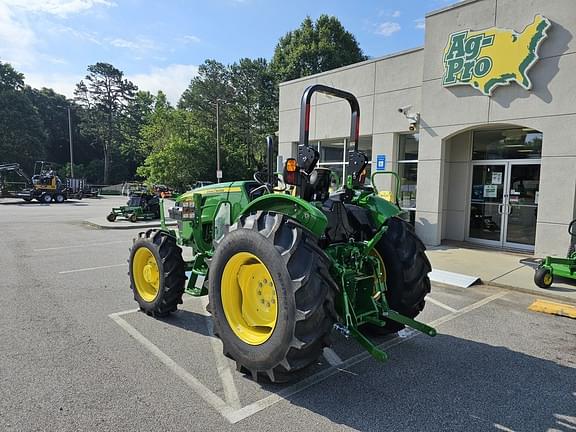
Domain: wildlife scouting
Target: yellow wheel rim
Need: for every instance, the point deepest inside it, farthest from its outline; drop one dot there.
(547, 279)
(146, 274)
(249, 298)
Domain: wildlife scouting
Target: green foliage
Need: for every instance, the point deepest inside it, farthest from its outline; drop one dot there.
(314, 48)
(136, 116)
(22, 135)
(10, 79)
(183, 149)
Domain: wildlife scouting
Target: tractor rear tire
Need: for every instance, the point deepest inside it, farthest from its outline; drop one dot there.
(301, 294)
(59, 198)
(46, 198)
(156, 271)
(133, 218)
(407, 268)
(543, 277)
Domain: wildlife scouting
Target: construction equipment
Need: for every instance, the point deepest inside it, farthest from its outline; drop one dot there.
(552, 267)
(282, 270)
(44, 186)
(6, 187)
(140, 206)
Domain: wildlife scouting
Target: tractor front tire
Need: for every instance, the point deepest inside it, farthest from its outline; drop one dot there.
(133, 218)
(406, 267)
(111, 217)
(59, 198)
(156, 270)
(271, 296)
(46, 198)
(543, 277)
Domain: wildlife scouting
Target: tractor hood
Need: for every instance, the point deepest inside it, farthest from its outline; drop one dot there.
(213, 189)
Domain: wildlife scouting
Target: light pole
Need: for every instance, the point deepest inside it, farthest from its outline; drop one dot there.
(70, 139)
(218, 171)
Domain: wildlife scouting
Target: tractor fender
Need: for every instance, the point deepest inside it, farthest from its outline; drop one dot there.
(296, 208)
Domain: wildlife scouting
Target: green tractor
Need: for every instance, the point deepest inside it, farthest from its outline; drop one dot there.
(283, 270)
(140, 206)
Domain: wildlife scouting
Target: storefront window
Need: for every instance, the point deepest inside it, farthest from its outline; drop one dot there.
(408, 170)
(333, 156)
(517, 143)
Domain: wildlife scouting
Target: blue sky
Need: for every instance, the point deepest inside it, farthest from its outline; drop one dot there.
(159, 44)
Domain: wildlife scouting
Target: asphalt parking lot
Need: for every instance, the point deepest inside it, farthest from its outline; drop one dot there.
(76, 355)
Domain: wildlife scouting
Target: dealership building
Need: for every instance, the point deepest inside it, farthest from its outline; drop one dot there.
(480, 123)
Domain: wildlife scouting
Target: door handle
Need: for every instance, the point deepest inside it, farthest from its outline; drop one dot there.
(500, 206)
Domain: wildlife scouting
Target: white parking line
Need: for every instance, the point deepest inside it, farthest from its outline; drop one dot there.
(440, 304)
(226, 375)
(92, 268)
(79, 246)
(213, 400)
(236, 415)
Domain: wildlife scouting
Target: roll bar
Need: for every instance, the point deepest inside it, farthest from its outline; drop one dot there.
(305, 112)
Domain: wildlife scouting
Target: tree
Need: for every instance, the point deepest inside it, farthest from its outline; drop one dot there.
(22, 135)
(254, 108)
(182, 149)
(10, 79)
(137, 115)
(104, 97)
(315, 48)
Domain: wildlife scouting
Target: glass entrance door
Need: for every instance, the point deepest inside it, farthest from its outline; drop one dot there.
(521, 207)
(504, 204)
(486, 204)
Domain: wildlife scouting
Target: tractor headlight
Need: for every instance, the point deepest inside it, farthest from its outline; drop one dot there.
(188, 210)
(184, 210)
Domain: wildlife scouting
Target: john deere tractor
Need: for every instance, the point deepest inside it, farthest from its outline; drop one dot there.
(286, 262)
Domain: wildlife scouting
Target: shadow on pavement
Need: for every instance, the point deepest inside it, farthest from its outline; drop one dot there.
(187, 320)
(448, 383)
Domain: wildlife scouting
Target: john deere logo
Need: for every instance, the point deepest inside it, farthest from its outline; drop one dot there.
(488, 58)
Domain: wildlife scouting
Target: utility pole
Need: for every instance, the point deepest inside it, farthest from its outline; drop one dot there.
(70, 139)
(218, 171)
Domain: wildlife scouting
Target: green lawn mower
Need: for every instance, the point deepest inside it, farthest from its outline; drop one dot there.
(140, 206)
(286, 263)
(552, 267)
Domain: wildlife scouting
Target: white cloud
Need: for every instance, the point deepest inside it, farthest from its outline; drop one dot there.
(17, 36)
(60, 8)
(172, 80)
(420, 23)
(138, 44)
(16, 39)
(395, 14)
(388, 28)
(63, 84)
(191, 39)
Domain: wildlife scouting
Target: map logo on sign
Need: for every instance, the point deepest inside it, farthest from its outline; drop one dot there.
(492, 57)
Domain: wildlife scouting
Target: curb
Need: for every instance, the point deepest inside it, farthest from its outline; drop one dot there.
(546, 294)
(133, 225)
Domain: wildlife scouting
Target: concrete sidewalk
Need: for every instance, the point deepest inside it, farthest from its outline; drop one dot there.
(499, 268)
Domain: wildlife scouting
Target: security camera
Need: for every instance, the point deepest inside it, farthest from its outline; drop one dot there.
(413, 120)
(404, 109)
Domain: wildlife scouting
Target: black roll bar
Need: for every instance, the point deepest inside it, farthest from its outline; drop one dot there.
(305, 112)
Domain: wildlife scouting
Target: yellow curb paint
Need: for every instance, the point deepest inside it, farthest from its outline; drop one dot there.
(552, 308)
